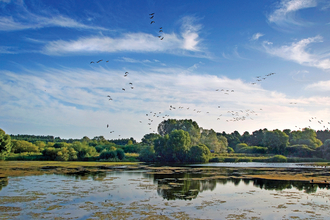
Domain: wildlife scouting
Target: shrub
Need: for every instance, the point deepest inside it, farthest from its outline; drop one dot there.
(278, 158)
(108, 154)
(231, 159)
(120, 154)
(199, 153)
(147, 154)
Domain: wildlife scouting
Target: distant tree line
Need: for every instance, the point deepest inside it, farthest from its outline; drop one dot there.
(176, 141)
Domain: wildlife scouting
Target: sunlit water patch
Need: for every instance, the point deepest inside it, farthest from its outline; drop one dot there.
(138, 195)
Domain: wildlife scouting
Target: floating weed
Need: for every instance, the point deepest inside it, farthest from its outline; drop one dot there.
(17, 199)
(10, 209)
(54, 207)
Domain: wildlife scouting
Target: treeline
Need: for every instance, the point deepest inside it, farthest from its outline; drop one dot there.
(176, 141)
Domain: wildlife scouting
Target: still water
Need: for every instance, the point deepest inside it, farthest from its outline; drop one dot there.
(138, 195)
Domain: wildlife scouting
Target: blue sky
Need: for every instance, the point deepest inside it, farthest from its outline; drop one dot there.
(213, 65)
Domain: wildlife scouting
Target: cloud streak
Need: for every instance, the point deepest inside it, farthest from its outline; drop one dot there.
(188, 40)
(285, 12)
(297, 52)
(70, 98)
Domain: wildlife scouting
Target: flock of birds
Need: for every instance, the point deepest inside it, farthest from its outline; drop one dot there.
(260, 78)
(230, 115)
(160, 29)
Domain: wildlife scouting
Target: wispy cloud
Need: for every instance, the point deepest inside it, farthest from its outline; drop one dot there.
(257, 36)
(131, 42)
(297, 52)
(25, 19)
(70, 98)
(285, 11)
(320, 86)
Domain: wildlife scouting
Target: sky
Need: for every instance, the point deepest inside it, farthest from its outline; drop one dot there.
(118, 68)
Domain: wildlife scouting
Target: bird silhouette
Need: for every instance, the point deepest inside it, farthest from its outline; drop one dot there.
(91, 62)
(123, 89)
(152, 14)
(152, 22)
(162, 38)
(151, 17)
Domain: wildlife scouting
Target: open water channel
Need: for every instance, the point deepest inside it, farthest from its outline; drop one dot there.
(139, 195)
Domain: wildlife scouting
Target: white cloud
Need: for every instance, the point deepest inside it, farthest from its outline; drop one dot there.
(24, 19)
(257, 36)
(132, 42)
(297, 52)
(320, 86)
(76, 99)
(285, 12)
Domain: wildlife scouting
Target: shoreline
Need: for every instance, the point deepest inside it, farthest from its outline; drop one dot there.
(28, 168)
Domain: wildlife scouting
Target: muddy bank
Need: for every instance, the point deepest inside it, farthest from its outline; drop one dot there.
(26, 168)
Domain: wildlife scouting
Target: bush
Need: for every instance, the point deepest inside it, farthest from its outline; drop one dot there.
(246, 159)
(147, 154)
(253, 150)
(120, 154)
(278, 158)
(108, 154)
(199, 153)
(216, 159)
(300, 150)
(231, 159)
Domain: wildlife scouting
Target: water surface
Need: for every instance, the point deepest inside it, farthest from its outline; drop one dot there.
(138, 195)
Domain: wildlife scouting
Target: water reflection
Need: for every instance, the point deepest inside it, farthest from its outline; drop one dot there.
(188, 186)
(3, 182)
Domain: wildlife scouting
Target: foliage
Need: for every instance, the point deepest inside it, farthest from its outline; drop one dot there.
(323, 135)
(167, 126)
(210, 139)
(148, 154)
(179, 142)
(230, 150)
(149, 139)
(276, 141)
(299, 150)
(133, 148)
(199, 153)
(61, 154)
(23, 146)
(113, 154)
(324, 150)
(5, 143)
(278, 158)
(307, 136)
(253, 150)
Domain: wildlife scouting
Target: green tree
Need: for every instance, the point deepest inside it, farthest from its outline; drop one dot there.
(167, 126)
(199, 153)
(210, 139)
(148, 154)
(276, 141)
(149, 139)
(307, 136)
(179, 142)
(23, 146)
(5, 143)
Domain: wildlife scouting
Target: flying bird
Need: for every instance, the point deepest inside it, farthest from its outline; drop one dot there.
(152, 22)
(162, 38)
(152, 14)
(151, 17)
(91, 62)
(123, 89)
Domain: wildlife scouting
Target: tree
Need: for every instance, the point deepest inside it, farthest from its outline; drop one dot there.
(23, 146)
(199, 153)
(147, 154)
(149, 139)
(167, 126)
(179, 142)
(276, 141)
(307, 136)
(5, 143)
(173, 147)
(210, 139)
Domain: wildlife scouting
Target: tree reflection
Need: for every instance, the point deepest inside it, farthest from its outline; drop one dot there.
(3, 182)
(187, 187)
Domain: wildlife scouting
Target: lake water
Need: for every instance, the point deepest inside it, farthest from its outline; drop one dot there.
(138, 195)
(258, 165)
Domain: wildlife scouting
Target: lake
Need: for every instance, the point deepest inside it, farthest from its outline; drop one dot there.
(139, 195)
